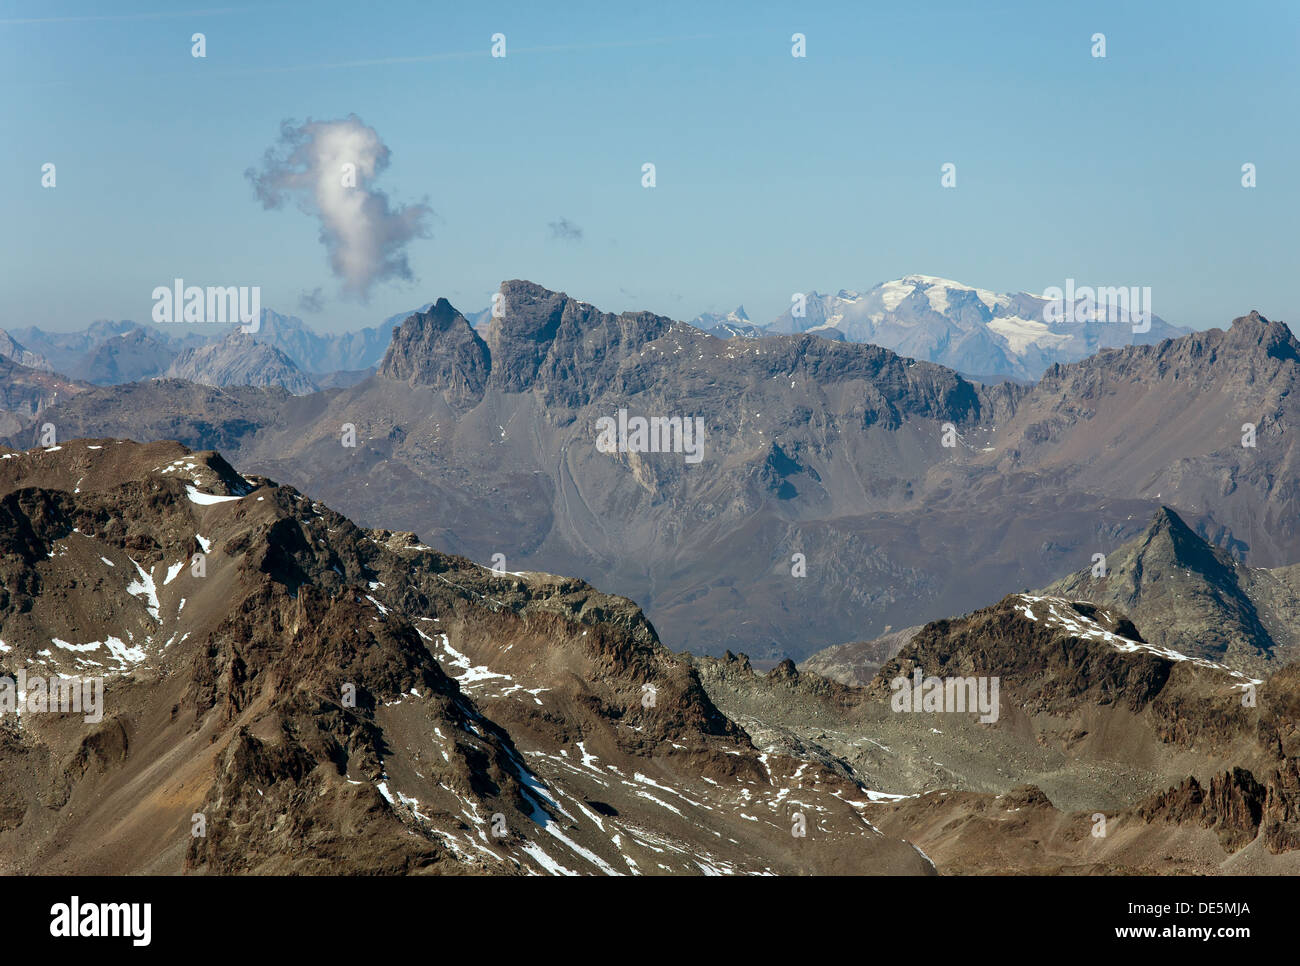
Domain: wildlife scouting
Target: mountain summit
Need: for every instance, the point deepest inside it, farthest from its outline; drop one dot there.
(1191, 596)
(972, 330)
(439, 348)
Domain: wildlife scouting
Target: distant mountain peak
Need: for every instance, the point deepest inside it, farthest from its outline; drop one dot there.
(973, 330)
(240, 359)
(439, 348)
(1178, 545)
(1189, 595)
(1276, 338)
(1167, 520)
(734, 324)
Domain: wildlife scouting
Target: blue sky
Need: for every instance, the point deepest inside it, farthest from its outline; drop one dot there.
(774, 174)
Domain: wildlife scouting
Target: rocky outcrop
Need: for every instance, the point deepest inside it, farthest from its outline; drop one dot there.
(288, 693)
(439, 349)
(1232, 806)
(568, 349)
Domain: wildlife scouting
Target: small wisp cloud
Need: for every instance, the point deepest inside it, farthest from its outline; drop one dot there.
(329, 169)
(565, 230)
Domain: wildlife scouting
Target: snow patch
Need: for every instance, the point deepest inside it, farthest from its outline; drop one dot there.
(207, 499)
(144, 587)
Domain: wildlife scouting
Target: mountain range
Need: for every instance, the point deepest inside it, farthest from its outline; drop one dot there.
(979, 333)
(285, 692)
(982, 334)
(324, 695)
(300, 360)
(843, 489)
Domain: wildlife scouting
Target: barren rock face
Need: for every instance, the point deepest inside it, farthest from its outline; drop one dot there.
(283, 691)
(827, 452)
(14, 352)
(441, 350)
(240, 360)
(286, 692)
(25, 393)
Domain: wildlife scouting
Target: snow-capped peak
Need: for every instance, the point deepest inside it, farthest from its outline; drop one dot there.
(937, 289)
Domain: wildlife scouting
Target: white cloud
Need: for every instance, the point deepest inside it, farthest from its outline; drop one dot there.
(364, 234)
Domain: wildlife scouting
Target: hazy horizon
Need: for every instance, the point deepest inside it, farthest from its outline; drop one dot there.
(774, 173)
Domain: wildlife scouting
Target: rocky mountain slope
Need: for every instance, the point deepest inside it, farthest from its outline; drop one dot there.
(858, 661)
(240, 360)
(287, 693)
(841, 488)
(15, 352)
(324, 353)
(1108, 754)
(134, 355)
(1189, 594)
(1201, 423)
(1083, 681)
(1186, 594)
(26, 393)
